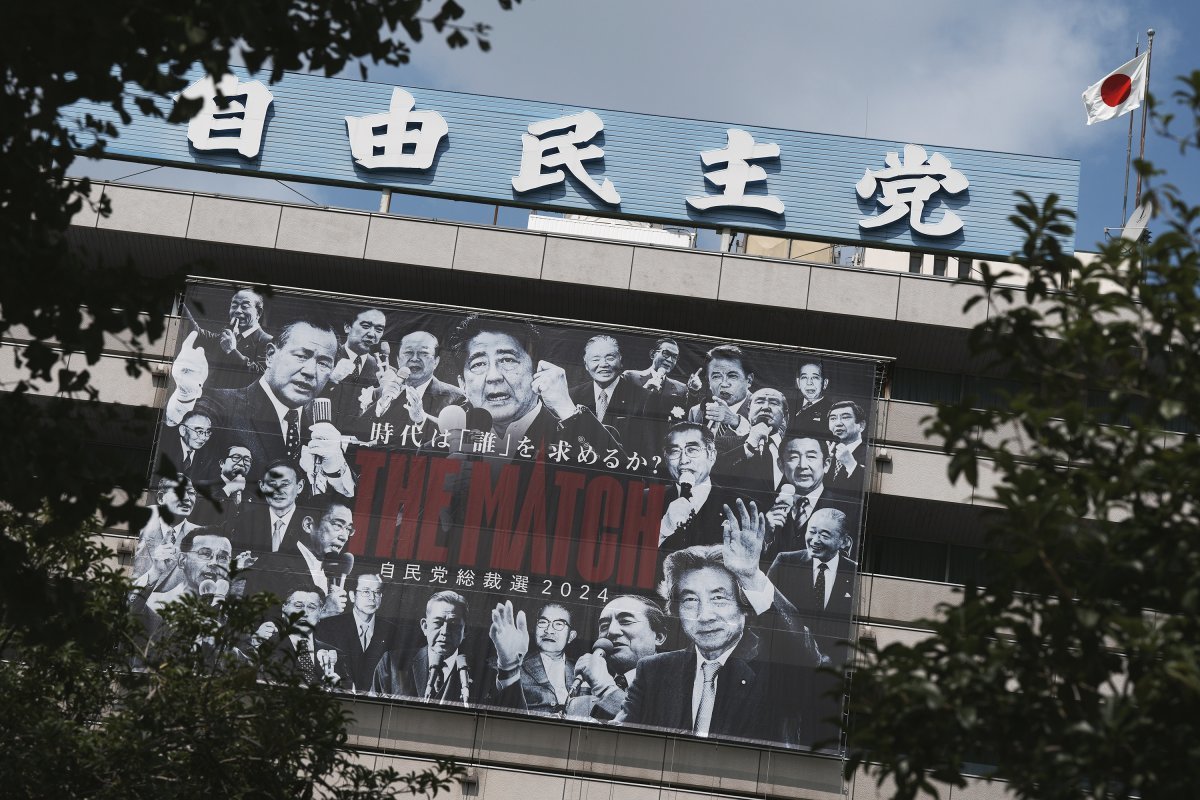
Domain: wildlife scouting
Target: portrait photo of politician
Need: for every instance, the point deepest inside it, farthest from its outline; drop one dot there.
(547, 673)
(724, 683)
(272, 417)
(728, 376)
(635, 628)
(236, 349)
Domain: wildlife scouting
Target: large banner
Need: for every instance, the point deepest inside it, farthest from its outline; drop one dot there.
(561, 519)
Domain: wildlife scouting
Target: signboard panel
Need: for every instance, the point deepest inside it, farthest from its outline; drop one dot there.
(546, 518)
(570, 158)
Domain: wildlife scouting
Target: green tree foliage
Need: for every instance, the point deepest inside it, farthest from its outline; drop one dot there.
(192, 722)
(1075, 671)
(69, 302)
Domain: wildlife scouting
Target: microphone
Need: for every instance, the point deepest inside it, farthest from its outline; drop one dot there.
(385, 350)
(435, 666)
(478, 421)
(714, 426)
(464, 678)
(212, 592)
(685, 490)
(603, 647)
(452, 418)
(337, 566)
(655, 384)
(322, 410)
(787, 494)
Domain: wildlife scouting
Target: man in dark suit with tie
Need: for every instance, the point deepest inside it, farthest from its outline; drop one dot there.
(274, 524)
(618, 403)
(694, 513)
(813, 407)
(237, 354)
(223, 499)
(360, 633)
(819, 580)
(729, 681)
(358, 367)
(753, 466)
(437, 671)
(804, 462)
(664, 355)
(411, 394)
(725, 411)
(184, 452)
(848, 468)
(296, 649)
(271, 417)
(547, 677)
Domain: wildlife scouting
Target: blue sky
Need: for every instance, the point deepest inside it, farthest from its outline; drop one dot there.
(996, 76)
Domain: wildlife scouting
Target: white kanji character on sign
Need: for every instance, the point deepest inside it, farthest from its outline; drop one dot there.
(738, 171)
(438, 574)
(400, 139)
(412, 572)
(387, 570)
(466, 577)
(559, 452)
(237, 126)
(491, 580)
(907, 186)
(484, 442)
(520, 583)
(554, 143)
(381, 432)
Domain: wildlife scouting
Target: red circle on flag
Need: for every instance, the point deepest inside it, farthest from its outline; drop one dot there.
(1115, 89)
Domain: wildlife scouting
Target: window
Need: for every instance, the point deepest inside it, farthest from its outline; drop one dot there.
(964, 269)
(939, 266)
(915, 260)
(922, 386)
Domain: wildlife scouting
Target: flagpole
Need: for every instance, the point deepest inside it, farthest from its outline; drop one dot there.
(1137, 48)
(1137, 195)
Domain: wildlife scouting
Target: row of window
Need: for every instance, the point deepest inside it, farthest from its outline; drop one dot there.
(926, 561)
(916, 262)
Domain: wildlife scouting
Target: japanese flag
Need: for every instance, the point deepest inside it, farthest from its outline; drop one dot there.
(1118, 93)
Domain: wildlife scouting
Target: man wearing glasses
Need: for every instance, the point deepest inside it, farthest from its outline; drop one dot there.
(186, 452)
(546, 680)
(203, 556)
(728, 681)
(319, 662)
(227, 490)
(361, 633)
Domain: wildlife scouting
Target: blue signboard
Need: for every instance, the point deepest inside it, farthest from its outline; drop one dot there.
(593, 161)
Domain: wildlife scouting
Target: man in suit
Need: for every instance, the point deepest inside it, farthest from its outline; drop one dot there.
(728, 681)
(525, 396)
(694, 512)
(725, 412)
(618, 403)
(411, 394)
(202, 556)
(237, 354)
(546, 679)
(294, 647)
(753, 467)
(185, 452)
(359, 366)
(848, 468)
(636, 627)
(819, 580)
(804, 462)
(440, 673)
(157, 547)
(813, 409)
(272, 417)
(228, 490)
(663, 358)
(274, 524)
(361, 634)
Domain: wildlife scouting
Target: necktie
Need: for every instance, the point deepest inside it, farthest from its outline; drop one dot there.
(363, 637)
(802, 510)
(277, 536)
(171, 537)
(621, 681)
(819, 585)
(438, 683)
(838, 469)
(708, 694)
(307, 668)
(187, 458)
(293, 433)
(601, 405)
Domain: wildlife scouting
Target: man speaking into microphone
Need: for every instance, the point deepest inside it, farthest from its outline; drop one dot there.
(694, 512)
